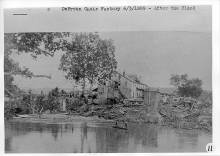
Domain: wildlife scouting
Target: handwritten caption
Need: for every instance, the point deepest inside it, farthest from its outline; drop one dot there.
(129, 8)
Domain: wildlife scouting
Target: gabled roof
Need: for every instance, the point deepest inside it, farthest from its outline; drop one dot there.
(129, 79)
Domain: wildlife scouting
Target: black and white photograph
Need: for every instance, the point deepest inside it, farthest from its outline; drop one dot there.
(108, 79)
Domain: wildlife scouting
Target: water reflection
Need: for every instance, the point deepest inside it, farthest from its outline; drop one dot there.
(87, 137)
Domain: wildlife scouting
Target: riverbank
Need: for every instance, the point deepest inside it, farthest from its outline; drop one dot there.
(59, 118)
(68, 119)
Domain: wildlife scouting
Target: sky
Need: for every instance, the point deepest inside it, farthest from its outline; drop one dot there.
(153, 45)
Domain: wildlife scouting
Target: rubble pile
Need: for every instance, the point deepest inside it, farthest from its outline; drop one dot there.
(118, 112)
(179, 112)
(184, 113)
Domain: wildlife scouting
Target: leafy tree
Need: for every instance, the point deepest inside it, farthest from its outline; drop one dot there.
(185, 86)
(27, 101)
(32, 102)
(33, 43)
(9, 66)
(72, 104)
(35, 103)
(40, 104)
(87, 58)
(53, 100)
(63, 92)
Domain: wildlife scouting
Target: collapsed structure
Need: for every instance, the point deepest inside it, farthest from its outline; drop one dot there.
(121, 86)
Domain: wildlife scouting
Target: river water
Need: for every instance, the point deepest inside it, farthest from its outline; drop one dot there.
(100, 137)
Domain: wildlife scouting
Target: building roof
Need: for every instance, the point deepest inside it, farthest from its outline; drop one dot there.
(169, 91)
(130, 79)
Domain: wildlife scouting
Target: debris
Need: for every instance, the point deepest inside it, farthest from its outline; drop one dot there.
(183, 112)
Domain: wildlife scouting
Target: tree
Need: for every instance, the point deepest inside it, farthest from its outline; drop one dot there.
(27, 102)
(35, 103)
(40, 104)
(33, 43)
(87, 58)
(53, 100)
(9, 68)
(185, 86)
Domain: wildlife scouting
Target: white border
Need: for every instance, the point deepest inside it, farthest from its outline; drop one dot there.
(60, 3)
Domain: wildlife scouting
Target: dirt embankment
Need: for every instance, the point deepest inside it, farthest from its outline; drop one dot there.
(120, 112)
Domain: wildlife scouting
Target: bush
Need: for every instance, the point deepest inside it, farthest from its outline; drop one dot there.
(187, 87)
(9, 110)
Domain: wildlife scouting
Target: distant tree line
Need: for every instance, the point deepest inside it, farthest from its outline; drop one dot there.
(185, 86)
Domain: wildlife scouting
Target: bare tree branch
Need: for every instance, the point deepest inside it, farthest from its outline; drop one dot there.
(26, 74)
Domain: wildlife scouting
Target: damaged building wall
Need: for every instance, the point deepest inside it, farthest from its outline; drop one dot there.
(121, 85)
